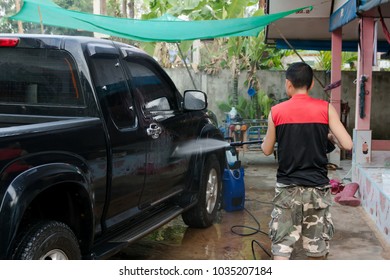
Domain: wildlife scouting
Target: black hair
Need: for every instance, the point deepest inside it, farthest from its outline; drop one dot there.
(300, 75)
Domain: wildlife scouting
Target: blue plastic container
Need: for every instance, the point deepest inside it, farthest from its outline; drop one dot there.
(233, 189)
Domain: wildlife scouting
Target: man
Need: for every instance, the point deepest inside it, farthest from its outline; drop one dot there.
(301, 127)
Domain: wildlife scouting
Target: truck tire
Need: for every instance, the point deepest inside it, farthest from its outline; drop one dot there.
(48, 240)
(204, 212)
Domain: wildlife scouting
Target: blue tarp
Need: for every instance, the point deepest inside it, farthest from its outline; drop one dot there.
(350, 10)
(343, 15)
(370, 4)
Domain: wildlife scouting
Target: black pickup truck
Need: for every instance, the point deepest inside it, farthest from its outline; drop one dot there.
(88, 133)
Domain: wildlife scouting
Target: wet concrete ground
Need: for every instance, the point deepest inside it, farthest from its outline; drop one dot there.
(242, 235)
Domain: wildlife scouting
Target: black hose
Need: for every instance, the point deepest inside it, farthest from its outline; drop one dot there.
(254, 231)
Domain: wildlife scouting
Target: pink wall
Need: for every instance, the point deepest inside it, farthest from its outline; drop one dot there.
(380, 145)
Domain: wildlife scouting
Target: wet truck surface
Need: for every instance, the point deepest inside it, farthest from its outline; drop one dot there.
(88, 133)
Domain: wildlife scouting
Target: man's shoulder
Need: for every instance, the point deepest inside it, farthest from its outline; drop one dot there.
(318, 100)
(282, 104)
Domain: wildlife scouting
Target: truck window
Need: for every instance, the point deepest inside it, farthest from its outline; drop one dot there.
(38, 77)
(113, 92)
(151, 87)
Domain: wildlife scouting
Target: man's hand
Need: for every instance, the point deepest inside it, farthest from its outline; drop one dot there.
(270, 138)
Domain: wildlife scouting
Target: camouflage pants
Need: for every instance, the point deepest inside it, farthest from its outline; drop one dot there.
(301, 211)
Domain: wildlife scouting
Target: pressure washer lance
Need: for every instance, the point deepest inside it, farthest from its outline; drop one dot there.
(241, 143)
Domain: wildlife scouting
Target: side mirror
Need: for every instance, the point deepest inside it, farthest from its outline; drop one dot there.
(194, 100)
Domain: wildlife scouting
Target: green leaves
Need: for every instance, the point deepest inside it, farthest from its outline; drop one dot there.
(148, 47)
(184, 4)
(237, 8)
(185, 46)
(265, 103)
(235, 45)
(324, 60)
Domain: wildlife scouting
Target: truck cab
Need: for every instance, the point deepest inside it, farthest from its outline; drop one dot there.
(89, 129)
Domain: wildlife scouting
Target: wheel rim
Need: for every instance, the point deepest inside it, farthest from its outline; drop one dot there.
(211, 191)
(55, 254)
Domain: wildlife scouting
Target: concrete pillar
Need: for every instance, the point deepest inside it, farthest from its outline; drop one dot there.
(362, 137)
(335, 97)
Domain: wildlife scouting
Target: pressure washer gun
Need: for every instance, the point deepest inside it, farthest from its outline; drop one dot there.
(232, 154)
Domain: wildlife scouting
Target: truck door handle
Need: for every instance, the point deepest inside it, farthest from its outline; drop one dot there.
(153, 130)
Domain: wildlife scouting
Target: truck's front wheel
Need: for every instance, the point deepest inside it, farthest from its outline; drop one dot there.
(204, 213)
(48, 240)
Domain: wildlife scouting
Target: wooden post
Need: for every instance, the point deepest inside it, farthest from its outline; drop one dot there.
(124, 8)
(20, 25)
(40, 19)
(335, 98)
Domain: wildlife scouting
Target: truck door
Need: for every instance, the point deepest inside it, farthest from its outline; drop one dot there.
(165, 125)
(128, 145)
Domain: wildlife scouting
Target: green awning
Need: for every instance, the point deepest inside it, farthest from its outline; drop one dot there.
(48, 13)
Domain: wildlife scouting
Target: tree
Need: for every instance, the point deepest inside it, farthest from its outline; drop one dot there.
(7, 7)
(133, 8)
(20, 26)
(113, 9)
(207, 10)
(236, 53)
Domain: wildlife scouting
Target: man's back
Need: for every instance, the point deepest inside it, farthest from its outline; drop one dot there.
(301, 131)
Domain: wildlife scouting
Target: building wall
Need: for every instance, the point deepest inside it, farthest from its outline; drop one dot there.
(219, 87)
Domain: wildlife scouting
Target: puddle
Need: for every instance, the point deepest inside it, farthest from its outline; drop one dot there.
(176, 241)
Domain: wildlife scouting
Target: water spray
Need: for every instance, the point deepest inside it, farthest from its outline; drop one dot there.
(208, 144)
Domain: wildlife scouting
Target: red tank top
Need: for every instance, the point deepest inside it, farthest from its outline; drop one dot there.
(302, 127)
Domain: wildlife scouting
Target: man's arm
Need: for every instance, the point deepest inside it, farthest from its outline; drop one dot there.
(343, 139)
(270, 137)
